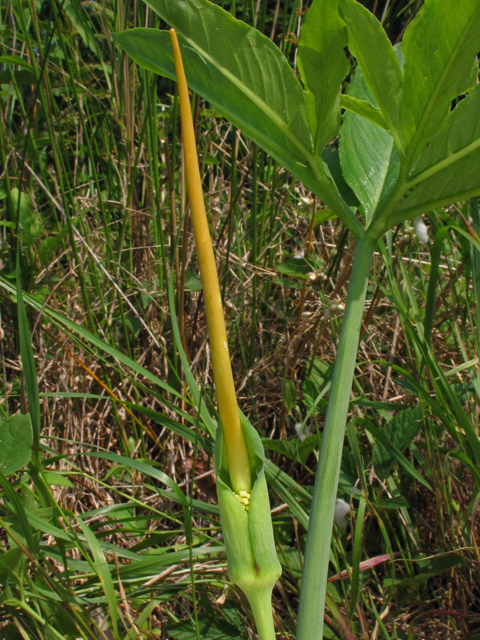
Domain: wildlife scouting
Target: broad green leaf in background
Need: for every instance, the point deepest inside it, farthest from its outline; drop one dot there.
(16, 60)
(15, 443)
(323, 215)
(192, 281)
(21, 76)
(323, 65)
(440, 48)
(298, 267)
(369, 43)
(366, 151)
(238, 70)
(428, 568)
(29, 221)
(51, 244)
(78, 16)
(210, 628)
(293, 449)
(400, 431)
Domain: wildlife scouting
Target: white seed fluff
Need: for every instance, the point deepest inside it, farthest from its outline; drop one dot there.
(302, 431)
(341, 510)
(421, 229)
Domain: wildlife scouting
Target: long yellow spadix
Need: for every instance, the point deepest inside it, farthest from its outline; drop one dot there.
(222, 370)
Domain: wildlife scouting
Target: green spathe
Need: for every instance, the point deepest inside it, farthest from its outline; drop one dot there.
(252, 559)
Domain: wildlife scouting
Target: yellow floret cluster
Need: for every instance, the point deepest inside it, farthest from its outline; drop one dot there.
(244, 498)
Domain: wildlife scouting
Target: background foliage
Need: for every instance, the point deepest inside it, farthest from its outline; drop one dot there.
(113, 527)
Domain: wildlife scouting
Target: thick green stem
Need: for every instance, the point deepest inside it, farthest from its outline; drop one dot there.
(317, 554)
(261, 603)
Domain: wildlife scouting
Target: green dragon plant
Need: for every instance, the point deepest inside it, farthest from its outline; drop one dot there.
(403, 150)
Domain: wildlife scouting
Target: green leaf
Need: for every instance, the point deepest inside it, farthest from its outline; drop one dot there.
(446, 169)
(375, 56)
(293, 449)
(428, 569)
(323, 215)
(331, 158)
(364, 109)
(366, 152)
(57, 479)
(134, 324)
(16, 60)
(289, 393)
(10, 563)
(287, 448)
(381, 438)
(29, 221)
(244, 76)
(78, 16)
(297, 267)
(323, 66)
(192, 281)
(400, 432)
(440, 47)
(457, 182)
(21, 527)
(290, 559)
(210, 628)
(305, 448)
(15, 443)
(21, 77)
(50, 245)
(458, 137)
(247, 79)
(397, 502)
(320, 374)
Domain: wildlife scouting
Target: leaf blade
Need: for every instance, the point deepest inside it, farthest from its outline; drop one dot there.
(366, 151)
(455, 183)
(374, 53)
(458, 137)
(440, 47)
(323, 66)
(15, 443)
(238, 70)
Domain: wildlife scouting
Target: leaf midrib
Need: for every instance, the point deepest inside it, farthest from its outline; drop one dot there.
(443, 164)
(405, 214)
